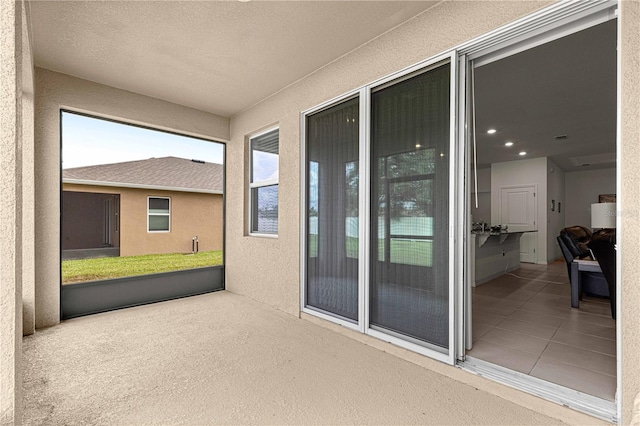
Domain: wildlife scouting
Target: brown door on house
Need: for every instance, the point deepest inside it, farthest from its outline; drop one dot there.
(111, 216)
(90, 224)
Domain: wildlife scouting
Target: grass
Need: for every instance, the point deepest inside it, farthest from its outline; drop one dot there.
(410, 252)
(76, 271)
(407, 252)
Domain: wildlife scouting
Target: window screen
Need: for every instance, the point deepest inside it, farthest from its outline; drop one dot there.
(264, 182)
(332, 210)
(409, 278)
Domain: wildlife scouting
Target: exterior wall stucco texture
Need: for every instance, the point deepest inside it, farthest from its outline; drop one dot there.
(11, 142)
(55, 91)
(28, 181)
(192, 214)
(275, 276)
(629, 176)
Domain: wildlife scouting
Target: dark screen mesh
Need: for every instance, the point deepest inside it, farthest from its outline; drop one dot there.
(158, 205)
(409, 284)
(264, 175)
(265, 200)
(332, 210)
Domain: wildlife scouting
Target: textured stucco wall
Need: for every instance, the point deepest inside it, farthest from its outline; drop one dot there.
(10, 212)
(273, 277)
(635, 415)
(55, 91)
(274, 274)
(192, 214)
(28, 180)
(628, 241)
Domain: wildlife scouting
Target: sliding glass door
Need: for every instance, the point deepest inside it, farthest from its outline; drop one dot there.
(409, 278)
(332, 210)
(377, 212)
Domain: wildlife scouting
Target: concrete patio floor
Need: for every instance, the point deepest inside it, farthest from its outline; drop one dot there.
(222, 358)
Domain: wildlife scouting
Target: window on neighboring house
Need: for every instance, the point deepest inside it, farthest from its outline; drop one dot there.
(159, 214)
(263, 184)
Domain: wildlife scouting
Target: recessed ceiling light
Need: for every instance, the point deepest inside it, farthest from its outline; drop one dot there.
(442, 154)
(522, 153)
(508, 143)
(418, 145)
(491, 131)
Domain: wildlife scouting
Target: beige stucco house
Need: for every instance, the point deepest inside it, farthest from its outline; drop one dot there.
(110, 209)
(99, 58)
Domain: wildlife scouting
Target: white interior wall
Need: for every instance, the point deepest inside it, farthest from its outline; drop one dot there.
(555, 218)
(522, 173)
(483, 212)
(582, 189)
(551, 186)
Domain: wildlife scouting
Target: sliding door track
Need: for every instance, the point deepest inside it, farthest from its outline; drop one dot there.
(594, 406)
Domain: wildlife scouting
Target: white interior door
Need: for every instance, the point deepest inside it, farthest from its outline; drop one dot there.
(518, 212)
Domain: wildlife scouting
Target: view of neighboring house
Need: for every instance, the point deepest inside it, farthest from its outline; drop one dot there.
(399, 187)
(153, 206)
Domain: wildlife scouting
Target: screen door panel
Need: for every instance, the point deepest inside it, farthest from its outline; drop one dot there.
(409, 276)
(332, 210)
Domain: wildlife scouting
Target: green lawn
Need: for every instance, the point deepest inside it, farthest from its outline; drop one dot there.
(407, 252)
(410, 252)
(76, 271)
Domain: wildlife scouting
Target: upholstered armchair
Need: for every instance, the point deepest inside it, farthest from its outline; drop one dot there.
(574, 243)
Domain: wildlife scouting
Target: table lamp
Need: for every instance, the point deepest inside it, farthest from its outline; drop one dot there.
(603, 215)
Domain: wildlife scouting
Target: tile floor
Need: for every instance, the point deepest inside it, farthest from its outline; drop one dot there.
(524, 321)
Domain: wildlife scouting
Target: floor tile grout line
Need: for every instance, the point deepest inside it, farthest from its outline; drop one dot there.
(581, 349)
(587, 334)
(587, 370)
(507, 347)
(545, 348)
(531, 310)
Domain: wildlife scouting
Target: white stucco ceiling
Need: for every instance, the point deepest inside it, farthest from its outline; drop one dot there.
(216, 56)
(225, 56)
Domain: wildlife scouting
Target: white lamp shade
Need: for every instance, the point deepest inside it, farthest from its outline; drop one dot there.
(603, 215)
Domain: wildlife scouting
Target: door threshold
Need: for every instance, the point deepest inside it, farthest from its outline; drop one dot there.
(588, 404)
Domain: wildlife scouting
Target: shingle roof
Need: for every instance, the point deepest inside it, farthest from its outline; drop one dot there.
(165, 172)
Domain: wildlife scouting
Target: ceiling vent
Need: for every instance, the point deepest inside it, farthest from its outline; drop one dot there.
(588, 160)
